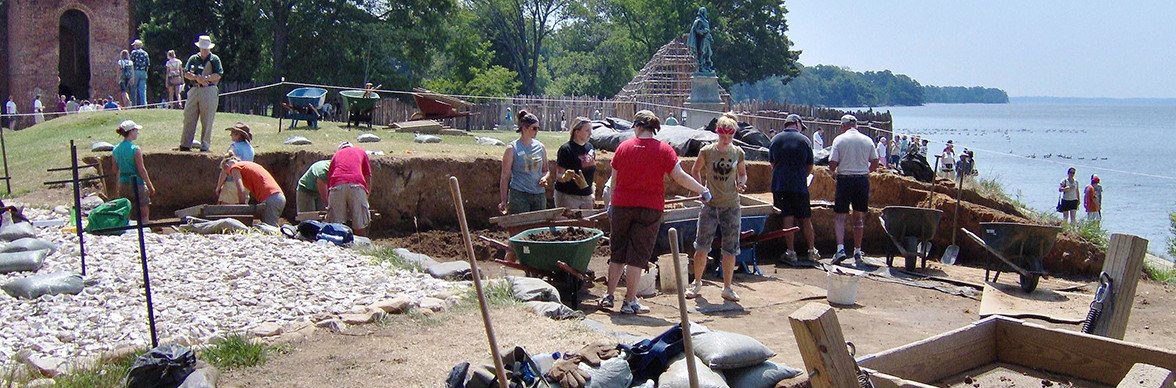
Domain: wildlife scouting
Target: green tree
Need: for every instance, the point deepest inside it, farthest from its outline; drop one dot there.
(1172, 238)
(587, 57)
(750, 41)
(519, 27)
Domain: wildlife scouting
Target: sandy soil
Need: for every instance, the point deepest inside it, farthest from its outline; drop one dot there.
(886, 315)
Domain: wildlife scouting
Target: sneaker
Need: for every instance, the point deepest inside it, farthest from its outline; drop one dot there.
(693, 290)
(839, 257)
(857, 256)
(633, 308)
(790, 256)
(729, 294)
(607, 302)
(813, 255)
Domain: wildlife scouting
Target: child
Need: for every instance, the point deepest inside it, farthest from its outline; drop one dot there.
(129, 168)
(242, 149)
(726, 177)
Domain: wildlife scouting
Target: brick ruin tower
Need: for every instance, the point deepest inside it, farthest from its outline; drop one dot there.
(52, 47)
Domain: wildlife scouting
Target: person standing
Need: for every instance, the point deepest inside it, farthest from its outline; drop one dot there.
(791, 156)
(349, 180)
(254, 178)
(1069, 202)
(818, 140)
(126, 76)
(131, 172)
(71, 106)
(141, 63)
(575, 168)
(725, 177)
(850, 162)
(174, 71)
(881, 149)
(60, 106)
(949, 157)
(38, 110)
(10, 114)
(636, 203)
(205, 69)
(895, 152)
(311, 195)
(523, 181)
(1093, 200)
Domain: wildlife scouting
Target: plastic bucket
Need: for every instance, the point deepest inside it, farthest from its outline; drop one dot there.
(843, 288)
(668, 282)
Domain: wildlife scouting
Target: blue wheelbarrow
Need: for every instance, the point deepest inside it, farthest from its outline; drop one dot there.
(304, 104)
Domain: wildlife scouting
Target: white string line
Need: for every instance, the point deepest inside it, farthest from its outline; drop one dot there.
(152, 105)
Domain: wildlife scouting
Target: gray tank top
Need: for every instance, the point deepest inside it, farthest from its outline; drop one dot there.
(527, 167)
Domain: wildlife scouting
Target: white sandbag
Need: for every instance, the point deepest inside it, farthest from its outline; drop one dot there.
(360, 242)
(528, 289)
(221, 226)
(268, 229)
(33, 287)
(426, 139)
(553, 310)
(12, 231)
(764, 375)
(678, 375)
(101, 146)
(647, 284)
(421, 260)
(613, 372)
(297, 140)
(724, 350)
(488, 141)
(453, 270)
(367, 138)
(29, 244)
(22, 261)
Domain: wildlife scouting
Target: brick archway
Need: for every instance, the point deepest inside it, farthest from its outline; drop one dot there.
(73, 66)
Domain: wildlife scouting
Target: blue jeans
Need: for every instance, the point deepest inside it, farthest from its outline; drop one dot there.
(140, 89)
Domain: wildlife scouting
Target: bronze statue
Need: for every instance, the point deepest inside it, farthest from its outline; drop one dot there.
(699, 39)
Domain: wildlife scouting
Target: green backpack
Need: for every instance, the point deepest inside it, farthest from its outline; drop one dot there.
(113, 214)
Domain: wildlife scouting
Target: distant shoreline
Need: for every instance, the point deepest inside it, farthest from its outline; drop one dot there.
(1091, 100)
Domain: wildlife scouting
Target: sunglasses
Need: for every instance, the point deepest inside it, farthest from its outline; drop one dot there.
(725, 131)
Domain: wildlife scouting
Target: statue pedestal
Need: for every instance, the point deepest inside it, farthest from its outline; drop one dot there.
(704, 95)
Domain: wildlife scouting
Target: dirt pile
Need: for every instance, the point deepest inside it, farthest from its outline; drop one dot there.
(571, 233)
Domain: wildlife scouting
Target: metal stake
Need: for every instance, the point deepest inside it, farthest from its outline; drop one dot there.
(143, 259)
(77, 194)
(4, 151)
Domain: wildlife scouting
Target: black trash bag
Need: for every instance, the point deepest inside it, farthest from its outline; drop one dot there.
(915, 165)
(166, 366)
(457, 376)
(746, 133)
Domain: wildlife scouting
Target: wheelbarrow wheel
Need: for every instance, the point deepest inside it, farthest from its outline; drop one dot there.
(911, 261)
(1029, 282)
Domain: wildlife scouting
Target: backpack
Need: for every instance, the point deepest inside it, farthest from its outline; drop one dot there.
(338, 234)
(308, 230)
(113, 214)
(650, 357)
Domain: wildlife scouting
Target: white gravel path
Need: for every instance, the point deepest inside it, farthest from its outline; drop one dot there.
(202, 287)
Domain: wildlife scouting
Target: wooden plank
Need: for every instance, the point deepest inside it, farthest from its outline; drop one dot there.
(428, 127)
(938, 357)
(1124, 264)
(528, 217)
(1053, 306)
(1100, 359)
(882, 380)
(1148, 376)
(826, 358)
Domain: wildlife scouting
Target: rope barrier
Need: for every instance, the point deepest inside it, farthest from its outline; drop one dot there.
(151, 105)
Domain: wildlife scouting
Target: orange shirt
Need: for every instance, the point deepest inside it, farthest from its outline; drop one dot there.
(1091, 200)
(257, 180)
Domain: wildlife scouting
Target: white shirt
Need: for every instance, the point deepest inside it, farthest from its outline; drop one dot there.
(853, 153)
(10, 107)
(37, 107)
(818, 141)
(881, 150)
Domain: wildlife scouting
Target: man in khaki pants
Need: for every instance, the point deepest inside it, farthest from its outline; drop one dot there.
(205, 69)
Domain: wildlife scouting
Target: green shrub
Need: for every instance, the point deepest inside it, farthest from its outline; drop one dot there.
(1172, 238)
(1162, 275)
(1090, 231)
(384, 253)
(237, 351)
(105, 374)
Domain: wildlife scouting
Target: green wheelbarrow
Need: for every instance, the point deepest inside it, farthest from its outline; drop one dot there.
(563, 263)
(359, 108)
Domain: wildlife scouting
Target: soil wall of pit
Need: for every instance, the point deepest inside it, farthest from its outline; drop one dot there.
(412, 194)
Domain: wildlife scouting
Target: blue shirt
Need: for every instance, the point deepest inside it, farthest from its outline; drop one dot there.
(139, 57)
(527, 167)
(243, 150)
(791, 153)
(110, 105)
(124, 156)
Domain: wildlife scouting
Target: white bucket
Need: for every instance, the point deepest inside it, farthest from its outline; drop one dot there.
(843, 287)
(669, 282)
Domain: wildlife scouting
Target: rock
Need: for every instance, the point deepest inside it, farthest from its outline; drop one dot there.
(395, 305)
(101, 146)
(118, 353)
(266, 329)
(359, 319)
(367, 138)
(205, 376)
(297, 140)
(48, 366)
(334, 325)
(41, 383)
(61, 209)
(90, 202)
(432, 304)
(421, 260)
(453, 270)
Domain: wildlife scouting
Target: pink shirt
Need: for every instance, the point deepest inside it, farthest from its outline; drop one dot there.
(349, 165)
(641, 166)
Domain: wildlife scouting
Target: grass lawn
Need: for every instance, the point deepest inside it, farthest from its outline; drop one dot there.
(33, 150)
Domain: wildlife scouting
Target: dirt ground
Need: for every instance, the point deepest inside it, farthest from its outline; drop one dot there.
(887, 314)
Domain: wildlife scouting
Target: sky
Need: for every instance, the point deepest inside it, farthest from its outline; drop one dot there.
(1028, 48)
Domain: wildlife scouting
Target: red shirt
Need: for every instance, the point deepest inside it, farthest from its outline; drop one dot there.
(349, 165)
(257, 180)
(641, 166)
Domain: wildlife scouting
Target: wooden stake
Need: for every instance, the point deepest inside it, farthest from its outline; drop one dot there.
(691, 369)
(822, 346)
(1124, 262)
(455, 189)
(1144, 375)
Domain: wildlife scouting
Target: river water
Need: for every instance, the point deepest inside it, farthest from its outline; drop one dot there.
(1131, 147)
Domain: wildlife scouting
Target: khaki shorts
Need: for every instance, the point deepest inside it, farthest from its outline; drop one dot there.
(571, 201)
(309, 202)
(126, 190)
(348, 199)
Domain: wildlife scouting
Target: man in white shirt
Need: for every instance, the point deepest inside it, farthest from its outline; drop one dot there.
(818, 140)
(881, 148)
(851, 160)
(10, 114)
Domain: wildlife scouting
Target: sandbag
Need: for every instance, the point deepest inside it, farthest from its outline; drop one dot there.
(367, 138)
(724, 350)
(479, 140)
(421, 260)
(419, 138)
(22, 261)
(613, 372)
(529, 289)
(101, 146)
(29, 244)
(12, 231)
(678, 375)
(165, 366)
(764, 375)
(553, 310)
(360, 242)
(297, 140)
(33, 287)
(453, 270)
(821, 156)
(221, 226)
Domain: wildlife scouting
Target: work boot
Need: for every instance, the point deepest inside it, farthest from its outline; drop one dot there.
(839, 257)
(729, 294)
(813, 255)
(607, 302)
(633, 307)
(790, 256)
(693, 290)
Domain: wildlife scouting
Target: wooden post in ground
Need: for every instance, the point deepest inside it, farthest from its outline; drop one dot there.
(1145, 375)
(826, 358)
(1124, 264)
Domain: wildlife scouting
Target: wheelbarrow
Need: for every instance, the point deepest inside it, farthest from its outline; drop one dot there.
(435, 106)
(304, 104)
(752, 232)
(562, 263)
(359, 108)
(911, 230)
(1020, 246)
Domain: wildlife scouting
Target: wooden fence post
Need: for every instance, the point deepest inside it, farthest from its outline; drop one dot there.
(1124, 262)
(1145, 375)
(826, 358)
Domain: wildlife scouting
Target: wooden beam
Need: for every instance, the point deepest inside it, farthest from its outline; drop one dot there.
(1124, 262)
(882, 380)
(1084, 356)
(1148, 376)
(938, 357)
(826, 358)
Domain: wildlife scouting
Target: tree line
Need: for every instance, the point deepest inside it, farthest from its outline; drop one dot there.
(827, 85)
(473, 47)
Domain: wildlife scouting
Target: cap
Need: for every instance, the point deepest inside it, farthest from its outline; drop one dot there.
(792, 118)
(137, 43)
(128, 125)
(344, 144)
(1094, 178)
(848, 118)
(647, 119)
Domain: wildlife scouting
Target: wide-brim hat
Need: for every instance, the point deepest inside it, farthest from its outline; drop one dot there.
(242, 129)
(137, 43)
(204, 42)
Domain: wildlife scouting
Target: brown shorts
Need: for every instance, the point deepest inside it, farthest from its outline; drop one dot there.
(127, 190)
(634, 232)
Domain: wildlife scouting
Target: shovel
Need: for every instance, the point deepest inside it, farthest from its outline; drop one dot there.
(953, 251)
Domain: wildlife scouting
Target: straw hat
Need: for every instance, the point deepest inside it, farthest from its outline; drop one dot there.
(204, 42)
(242, 129)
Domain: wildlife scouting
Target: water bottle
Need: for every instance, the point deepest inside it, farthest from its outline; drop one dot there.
(545, 361)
